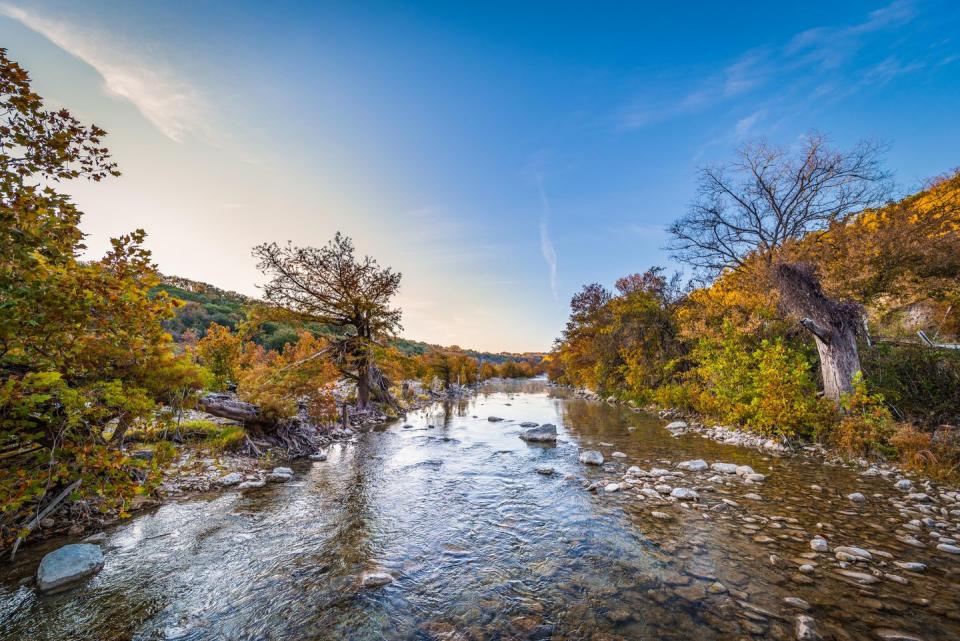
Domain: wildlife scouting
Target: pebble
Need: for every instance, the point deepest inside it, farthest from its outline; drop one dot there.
(685, 494)
(910, 566)
(319, 456)
(806, 628)
(752, 496)
(859, 577)
(950, 549)
(695, 465)
(796, 602)
(546, 470)
(618, 455)
(663, 516)
(903, 484)
(857, 497)
(612, 487)
(375, 579)
(849, 553)
(230, 479)
(724, 468)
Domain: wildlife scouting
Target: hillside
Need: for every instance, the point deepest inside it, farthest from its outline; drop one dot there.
(205, 304)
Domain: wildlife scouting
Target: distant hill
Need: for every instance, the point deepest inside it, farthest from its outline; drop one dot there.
(205, 304)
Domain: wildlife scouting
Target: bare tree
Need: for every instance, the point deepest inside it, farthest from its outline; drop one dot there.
(769, 195)
(748, 209)
(328, 285)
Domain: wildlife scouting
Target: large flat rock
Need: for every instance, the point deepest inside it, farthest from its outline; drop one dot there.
(64, 567)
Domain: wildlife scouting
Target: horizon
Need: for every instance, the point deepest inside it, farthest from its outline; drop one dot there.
(487, 154)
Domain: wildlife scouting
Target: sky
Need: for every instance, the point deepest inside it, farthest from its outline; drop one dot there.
(498, 154)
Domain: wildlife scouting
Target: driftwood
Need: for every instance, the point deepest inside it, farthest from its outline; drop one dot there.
(35, 521)
(227, 406)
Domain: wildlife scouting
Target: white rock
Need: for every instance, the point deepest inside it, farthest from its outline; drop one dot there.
(375, 579)
(806, 628)
(591, 457)
(319, 456)
(752, 496)
(663, 488)
(684, 494)
(744, 470)
(950, 549)
(612, 487)
(911, 566)
(283, 470)
(274, 477)
(694, 465)
(903, 484)
(618, 455)
(819, 544)
(65, 566)
(677, 426)
(724, 468)
(756, 478)
(857, 497)
(249, 485)
(850, 553)
(542, 434)
(230, 479)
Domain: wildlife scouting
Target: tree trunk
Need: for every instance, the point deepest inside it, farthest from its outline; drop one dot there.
(123, 424)
(227, 406)
(363, 386)
(839, 362)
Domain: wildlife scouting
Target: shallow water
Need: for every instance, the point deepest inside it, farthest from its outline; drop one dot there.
(483, 547)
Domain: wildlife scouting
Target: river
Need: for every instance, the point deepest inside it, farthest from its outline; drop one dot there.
(482, 546)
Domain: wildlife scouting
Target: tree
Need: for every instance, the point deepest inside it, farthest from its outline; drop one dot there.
(329, 285)
(220, 352)
(749, 210)
(82, 350)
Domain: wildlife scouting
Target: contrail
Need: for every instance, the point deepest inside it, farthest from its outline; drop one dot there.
(546, 245)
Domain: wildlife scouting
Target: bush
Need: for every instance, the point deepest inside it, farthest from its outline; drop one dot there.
(866, 426)
(767, 387)
(921, 384)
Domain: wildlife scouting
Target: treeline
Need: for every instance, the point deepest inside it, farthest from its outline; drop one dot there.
(746, 346)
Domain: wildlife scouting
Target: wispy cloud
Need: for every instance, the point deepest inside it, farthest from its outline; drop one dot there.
(546, 243)
(799, 69)
(165, 100)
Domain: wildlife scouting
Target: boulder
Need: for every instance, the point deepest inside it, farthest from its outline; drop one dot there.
(375, 579)
(677, 426)
(230, 479)
(744, 470)
(591, 457)
(541, 434)
(724, 468)
(684, 494)
(63, 567)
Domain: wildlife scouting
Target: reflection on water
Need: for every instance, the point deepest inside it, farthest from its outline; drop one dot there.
(483, 547)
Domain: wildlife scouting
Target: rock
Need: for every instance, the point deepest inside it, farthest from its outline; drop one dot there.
(910, 566)
(717, 588)
(283, 470)
(676, 426)
(274, 477)
(806, 568)
(695, 465)
(319, 456)
(375, 579)
(724, 468)
(819, 544)
(950, 549)
(895, 635)
(591, 457)
(752, 496)
(612, 487)
(903, 484)
(859, 577)
(850, 553)
(249, 485)
(920, 497)
(857, 497)
(744, 470)
(618, 455)
(528, 424)
(494, 419)
(806, 628)
(541, 434)
(796, 602)
(230, 479)
(663, 516)
(756, 478)
(63, 567)
(546, 470)
(663, 488)
(684, 494)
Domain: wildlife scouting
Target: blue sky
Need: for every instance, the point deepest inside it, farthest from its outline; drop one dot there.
(500, 155)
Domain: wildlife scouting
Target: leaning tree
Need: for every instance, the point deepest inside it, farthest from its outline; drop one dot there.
(330, 286)
(747, 210)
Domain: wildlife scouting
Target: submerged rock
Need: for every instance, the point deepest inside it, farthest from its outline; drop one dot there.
(684, 493)
(494, 419)
(63, 567)
(591, 457)
(819, 544)
(806, 628)
(857, 497)
(546, 470)
(724, 468)
(850, 553)
(903, 484)
(694, 465)
(542, 434)
(528, 424)
(375, 579)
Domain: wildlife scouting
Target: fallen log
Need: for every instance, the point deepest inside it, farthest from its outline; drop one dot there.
(228, 406)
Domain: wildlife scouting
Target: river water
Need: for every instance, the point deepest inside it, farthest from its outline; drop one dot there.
(483, 547)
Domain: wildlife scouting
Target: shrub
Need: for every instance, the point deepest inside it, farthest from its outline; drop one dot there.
(921, 384)
(866, 426)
